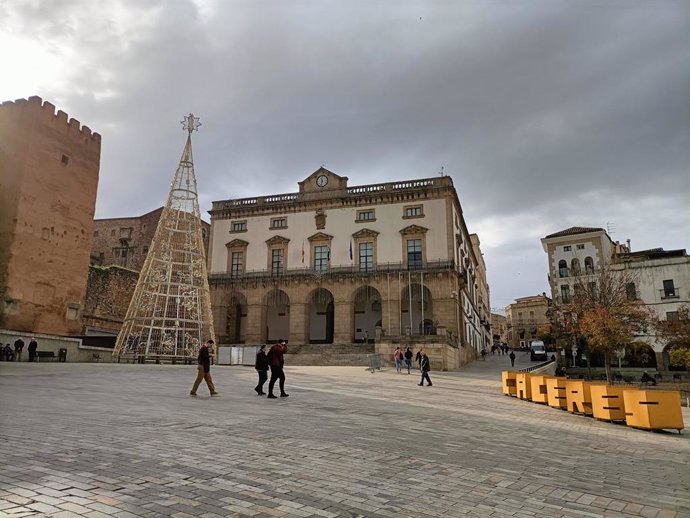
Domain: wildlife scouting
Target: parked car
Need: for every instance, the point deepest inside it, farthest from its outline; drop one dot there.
(537, 351)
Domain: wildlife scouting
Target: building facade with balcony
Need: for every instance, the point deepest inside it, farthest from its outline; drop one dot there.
(527, 320)
(662, 277)
(338, 264)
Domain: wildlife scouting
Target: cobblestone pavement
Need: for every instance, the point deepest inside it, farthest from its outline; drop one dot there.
(100, 440)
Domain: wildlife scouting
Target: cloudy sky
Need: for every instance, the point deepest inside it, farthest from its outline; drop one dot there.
(546, 114)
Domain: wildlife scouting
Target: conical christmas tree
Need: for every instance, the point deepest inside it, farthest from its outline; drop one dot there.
(170, 313)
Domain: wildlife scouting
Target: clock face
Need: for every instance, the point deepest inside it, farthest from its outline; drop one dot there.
(322, 180)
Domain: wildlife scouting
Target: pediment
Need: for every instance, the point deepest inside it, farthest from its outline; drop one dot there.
(237, 243)
(322, 180)
(365, 232)
(413, 229)
(320, 236)
(277, 240)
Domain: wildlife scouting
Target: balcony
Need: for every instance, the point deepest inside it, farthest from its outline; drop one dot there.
(333, 272)
(669, 293)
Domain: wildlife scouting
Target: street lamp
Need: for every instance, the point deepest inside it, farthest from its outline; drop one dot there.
(620, 353)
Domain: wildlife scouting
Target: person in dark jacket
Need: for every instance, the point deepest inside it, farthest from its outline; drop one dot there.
(418, 357)
(276, 362)
(18, 346)
(261, 366)
(204, 370)
(33, 347)
(408, 359)
(425, 368)
(512, 358)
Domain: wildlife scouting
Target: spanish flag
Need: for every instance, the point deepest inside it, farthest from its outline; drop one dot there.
(302, 251)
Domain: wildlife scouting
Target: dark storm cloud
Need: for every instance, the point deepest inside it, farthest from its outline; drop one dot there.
(546, 114)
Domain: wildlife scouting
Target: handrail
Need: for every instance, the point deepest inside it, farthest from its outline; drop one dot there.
(538, 366)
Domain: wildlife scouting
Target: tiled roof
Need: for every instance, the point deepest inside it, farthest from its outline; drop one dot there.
(654, 253)
(574, 230)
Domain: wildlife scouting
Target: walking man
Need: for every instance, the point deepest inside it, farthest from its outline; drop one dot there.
(276, 361)
(408, 359)
(261, 366)
(18, 346)
(425, 368)
(512, 358)
(398, 357)
(33, 346)
(204, 369)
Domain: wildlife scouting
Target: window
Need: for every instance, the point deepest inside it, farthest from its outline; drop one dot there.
(239, 226)
(366, 257)
(276, 261)
(580, 247)
(631, 291)
(366, 215)
(95, 233)
(415, 211)
(112, 232)
(322, 254)
(414, 253)
(519, 316)
(565, 293)
(64, 160)
(237, 264)
(669, 289)
(589, 265)
(278, 223)
(671, 315)
(567, 248)
(146, 249)
(562, 268)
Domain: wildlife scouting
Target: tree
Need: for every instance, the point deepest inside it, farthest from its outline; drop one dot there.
(603, 311)
(675, 332)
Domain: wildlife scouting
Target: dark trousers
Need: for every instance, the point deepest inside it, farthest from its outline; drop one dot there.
(512, 362)
(425, 375)
(32, 355)
(277, 374)
(263, 376)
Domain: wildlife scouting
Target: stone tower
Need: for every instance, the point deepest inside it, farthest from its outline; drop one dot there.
(170, 313)
(49, 168)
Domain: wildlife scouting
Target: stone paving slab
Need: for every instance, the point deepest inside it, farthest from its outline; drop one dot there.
(92, 440)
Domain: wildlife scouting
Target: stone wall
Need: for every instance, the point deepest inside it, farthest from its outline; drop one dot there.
(49, 168)
(442, 356)
(108, 294)
(76, 352)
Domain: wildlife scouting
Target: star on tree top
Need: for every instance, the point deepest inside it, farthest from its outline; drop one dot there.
(190, 123)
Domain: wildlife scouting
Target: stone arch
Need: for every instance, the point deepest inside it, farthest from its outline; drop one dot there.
(320, 313)
(668, 360)
(589, 265)
(416, 306)
(236, 323)
(276, 316)
(562, 268)
(366, 308)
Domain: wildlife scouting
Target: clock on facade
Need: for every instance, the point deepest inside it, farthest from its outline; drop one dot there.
(322, 180)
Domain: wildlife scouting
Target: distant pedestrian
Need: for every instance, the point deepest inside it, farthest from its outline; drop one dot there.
(512, 358)
(204, 369)
(483, 354)
(8, 353)
(418, 358)
(33, 347)
(277, 362)
(18, 346)
(398, 357)
(408, 359)
(425, 368)
(261, 366)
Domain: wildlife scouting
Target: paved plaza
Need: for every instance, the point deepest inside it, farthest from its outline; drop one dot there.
(100, 440)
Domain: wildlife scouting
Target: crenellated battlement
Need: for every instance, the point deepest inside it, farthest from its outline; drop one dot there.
(47, 111)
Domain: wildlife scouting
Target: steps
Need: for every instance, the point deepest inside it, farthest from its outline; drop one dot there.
(343, 355)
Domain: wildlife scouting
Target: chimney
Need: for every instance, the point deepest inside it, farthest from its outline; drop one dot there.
(629, 249)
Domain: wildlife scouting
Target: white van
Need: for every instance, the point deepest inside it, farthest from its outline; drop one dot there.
(537, 351)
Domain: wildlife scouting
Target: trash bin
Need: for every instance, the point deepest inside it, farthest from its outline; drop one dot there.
(62, 355)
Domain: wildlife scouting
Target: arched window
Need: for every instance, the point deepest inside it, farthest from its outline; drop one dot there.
(562, 268)
(575, 266)
(589, 265)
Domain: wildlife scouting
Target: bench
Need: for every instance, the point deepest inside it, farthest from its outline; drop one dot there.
(45, 355)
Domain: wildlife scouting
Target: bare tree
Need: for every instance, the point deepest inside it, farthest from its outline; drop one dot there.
(604, 311)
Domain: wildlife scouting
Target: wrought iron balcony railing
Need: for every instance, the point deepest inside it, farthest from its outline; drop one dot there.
(670, 293)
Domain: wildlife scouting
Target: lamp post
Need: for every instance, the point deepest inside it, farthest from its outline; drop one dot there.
(620, 353)
(573, 350)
